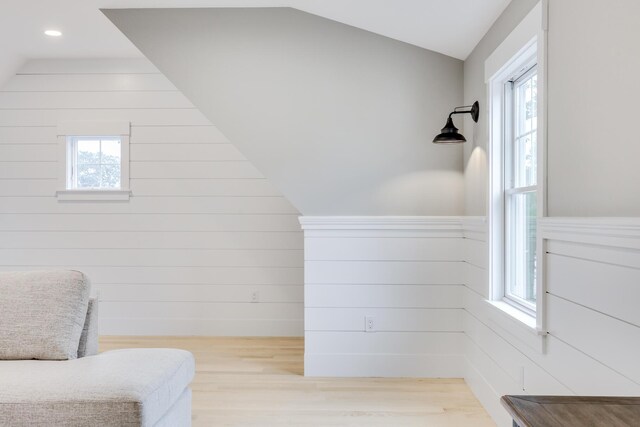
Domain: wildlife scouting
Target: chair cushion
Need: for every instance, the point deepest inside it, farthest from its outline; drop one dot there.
(42, 314)
(115, 388)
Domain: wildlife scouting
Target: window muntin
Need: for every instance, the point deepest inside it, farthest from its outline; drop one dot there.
(94, 162)
(520, 190)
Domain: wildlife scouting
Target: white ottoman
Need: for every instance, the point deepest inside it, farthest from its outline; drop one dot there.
(132, 387)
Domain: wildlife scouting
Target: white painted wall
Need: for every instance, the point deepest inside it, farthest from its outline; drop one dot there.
(591, 265)
(425, 282)
(339, 119)
(593, 92)
(406, 272)
(202, 231)
(592, 271)
(475, 149)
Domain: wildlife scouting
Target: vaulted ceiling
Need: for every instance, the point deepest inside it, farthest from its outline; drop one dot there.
(451, 27)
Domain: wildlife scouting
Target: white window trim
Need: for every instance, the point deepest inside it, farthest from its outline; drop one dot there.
(528, 37)
(95, 128)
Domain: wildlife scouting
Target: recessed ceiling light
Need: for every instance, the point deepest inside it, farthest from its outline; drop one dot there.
(53, 33)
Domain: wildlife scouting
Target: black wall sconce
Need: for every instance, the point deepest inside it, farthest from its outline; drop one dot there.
(450, 133)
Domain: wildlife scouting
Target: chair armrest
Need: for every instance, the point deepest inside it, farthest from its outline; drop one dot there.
(89, 339)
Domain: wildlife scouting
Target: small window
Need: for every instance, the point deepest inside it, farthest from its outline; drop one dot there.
(94, 162)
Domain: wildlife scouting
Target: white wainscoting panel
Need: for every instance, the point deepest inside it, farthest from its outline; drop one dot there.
(406, 274)
(592, 287)
(204, 246)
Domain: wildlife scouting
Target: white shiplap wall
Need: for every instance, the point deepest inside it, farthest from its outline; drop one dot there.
(592, 346)
(201, 233)
(406, 272)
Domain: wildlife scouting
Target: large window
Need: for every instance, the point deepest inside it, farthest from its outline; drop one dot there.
(520, 188)
(516, 201)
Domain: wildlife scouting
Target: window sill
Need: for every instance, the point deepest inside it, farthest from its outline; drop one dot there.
(93, 195)
(507, 319)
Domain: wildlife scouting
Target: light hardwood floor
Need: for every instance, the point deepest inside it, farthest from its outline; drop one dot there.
(260, 382)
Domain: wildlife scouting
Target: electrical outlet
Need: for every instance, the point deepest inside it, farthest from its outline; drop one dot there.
(369, 323)
(255, 296)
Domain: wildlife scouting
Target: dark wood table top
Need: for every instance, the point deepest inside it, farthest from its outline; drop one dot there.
(567, 411)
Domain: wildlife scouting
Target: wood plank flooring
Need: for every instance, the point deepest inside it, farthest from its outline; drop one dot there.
(260, 382)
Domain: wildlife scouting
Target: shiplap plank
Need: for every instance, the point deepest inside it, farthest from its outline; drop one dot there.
(198, 326)
(137, 117)
(184, 152)
(606, 254)
(318, 342)
(396, 296)
(172, 134)
(596, 285)
(387, 272)
(155, 257)
(477, 279)
(181, 292)
(192, 275)
(88, 83)
(193, 170)
(28, 187)
(475, 252)
(385, 319)
(201, 187)
(28, 170)
(28, 135)
(93, 99)
(382, 249)
(152, 205)
(88, 66)
(149, 240)
(146, 222)
(28, 153)
(203, 310)
(617, 344)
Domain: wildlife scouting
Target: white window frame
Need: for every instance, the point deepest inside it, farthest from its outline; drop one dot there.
(521, 68)
(72, 160)
(71, 130)
(525, 46)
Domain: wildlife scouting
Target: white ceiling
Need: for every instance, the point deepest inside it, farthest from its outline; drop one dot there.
(452, 27)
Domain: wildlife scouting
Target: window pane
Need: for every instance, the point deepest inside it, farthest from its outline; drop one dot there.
(88, 176)
(88, 151)
(110, 176)
(525, 154)
(110, 151)
(97, 163)
(520, 247)
(525, 130)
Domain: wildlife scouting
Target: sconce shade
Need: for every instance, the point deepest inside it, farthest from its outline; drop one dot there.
(449, 134)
